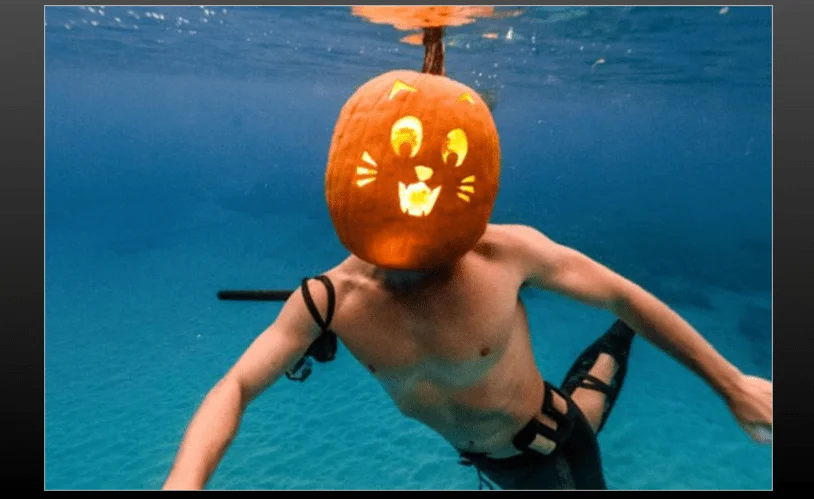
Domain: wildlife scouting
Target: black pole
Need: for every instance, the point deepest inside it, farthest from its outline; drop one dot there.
(254, 295)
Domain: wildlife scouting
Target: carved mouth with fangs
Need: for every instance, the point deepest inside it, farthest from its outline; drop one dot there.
(417, 199)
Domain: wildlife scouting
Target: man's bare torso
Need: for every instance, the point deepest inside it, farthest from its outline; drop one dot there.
(454, 351)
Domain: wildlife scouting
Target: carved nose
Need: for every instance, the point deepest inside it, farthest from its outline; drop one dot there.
(423, 173)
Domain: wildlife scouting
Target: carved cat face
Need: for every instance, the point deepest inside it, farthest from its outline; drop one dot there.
(413, 170)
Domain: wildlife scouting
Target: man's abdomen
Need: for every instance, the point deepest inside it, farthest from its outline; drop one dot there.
(484, 415)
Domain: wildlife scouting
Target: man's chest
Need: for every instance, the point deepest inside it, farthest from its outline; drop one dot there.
(440, 332)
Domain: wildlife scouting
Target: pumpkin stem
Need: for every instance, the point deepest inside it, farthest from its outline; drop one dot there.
(434, 51)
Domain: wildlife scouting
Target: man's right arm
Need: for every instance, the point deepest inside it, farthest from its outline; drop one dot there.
(216, 422)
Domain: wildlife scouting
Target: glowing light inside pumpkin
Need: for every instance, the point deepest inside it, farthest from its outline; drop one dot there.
(417, 199)
(408, 130)
(456, 143)
(362, 171)
(400, 86)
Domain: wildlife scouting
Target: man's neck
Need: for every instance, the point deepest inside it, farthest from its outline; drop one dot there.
(399, 280)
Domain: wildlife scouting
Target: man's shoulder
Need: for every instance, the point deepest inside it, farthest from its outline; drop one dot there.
(506, 228)
(499, 242)
(508, 236)
(516, 243)
(345, 277)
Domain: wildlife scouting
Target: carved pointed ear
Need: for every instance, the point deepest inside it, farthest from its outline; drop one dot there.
(466, 97)
(400, 86)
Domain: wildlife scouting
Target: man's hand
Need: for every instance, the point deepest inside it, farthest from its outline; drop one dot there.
(751, 404)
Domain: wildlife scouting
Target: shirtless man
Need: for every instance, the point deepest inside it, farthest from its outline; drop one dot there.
(429, 303)
(452, 348)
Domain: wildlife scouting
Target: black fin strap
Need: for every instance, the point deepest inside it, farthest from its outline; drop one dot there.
(549, 433)
(593, 383)
(309, 302)
(564, 425)
(523, 440)
(525, 437)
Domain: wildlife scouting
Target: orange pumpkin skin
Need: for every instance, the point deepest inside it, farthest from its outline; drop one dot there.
(413, 170)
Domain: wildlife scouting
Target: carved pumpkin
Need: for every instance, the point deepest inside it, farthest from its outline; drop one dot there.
(413, 170)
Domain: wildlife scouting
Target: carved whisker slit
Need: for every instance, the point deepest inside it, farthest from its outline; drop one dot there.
(370, 173)
(466, 188)
(367, 159)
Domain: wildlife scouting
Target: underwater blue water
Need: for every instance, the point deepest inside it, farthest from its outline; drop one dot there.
(185, 153)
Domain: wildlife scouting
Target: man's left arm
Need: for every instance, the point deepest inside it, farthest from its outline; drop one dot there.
(551, 266)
